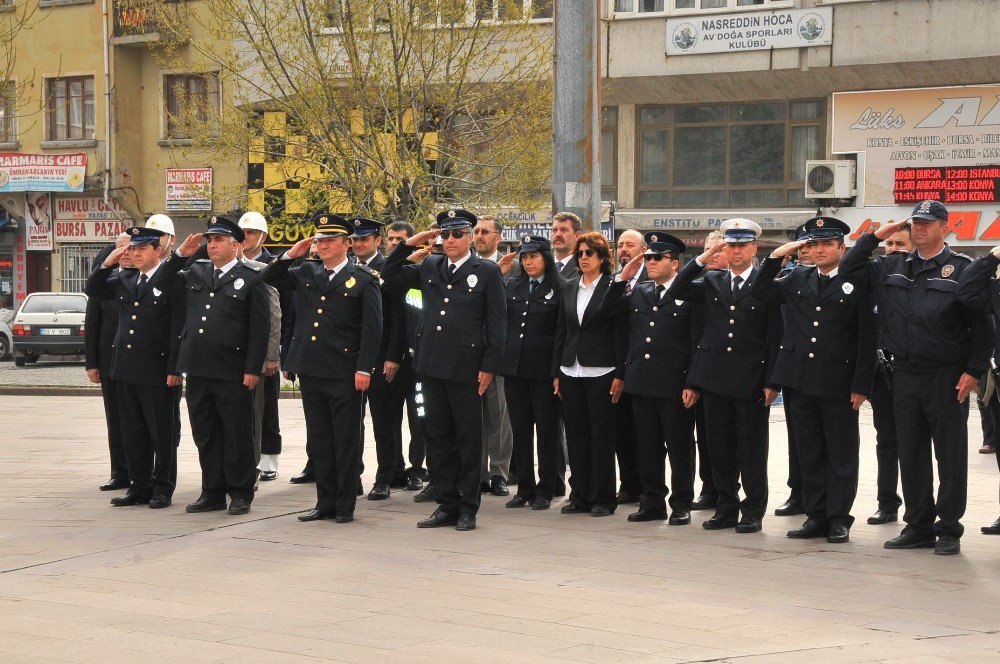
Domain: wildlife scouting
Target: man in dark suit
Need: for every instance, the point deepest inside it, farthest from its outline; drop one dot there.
(151, 314)
(826, 363)
(334, 350)
(100, 326)
(732, 366)
(461, 338)
(223, 347)
(566, 228)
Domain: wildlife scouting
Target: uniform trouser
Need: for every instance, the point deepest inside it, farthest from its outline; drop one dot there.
(222, 424)
(533, 407)
(665, 429)
(886, 452)
(626, 447)
(147, 426)
(386, 401)
(704, 459)
(453, 429)
(927, 413)
(738, 444)
(412, 388)
(270, 429)
(591, 438)
(828, 441)
(116, 448)
(989, 414)
(498, 440)
(794, 465)
(332, 410)
(258, 417)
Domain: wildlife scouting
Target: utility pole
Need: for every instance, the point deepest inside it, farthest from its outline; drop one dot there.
(576, 171)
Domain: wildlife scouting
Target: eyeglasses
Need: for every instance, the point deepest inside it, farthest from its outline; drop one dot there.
(580, 253)
(656, 258)
(458, 235)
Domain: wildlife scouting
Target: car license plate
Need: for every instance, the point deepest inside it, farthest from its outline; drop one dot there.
(45, 331)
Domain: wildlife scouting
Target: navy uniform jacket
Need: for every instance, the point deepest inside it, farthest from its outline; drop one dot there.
(149, 321)
(531, 329)
(338, 322)
(828, 347)
(924, 324)
(978, 287)
(737, 351)
(100, 326)
(393, 346)
(226, 329)
(662, 338)
(463, 318)
(602, 338)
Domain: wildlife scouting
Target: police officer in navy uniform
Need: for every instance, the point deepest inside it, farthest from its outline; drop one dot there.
(826, 364)
(732, 365)
(662, 335)
(223, 347)
(939, 347)
(150, 315)
(338, 328)
(461, 339)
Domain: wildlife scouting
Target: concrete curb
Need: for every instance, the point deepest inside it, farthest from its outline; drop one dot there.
(56, 391)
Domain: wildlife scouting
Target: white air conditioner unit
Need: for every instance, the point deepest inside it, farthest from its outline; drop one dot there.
(831, 179)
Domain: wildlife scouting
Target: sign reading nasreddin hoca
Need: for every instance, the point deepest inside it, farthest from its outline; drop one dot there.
(750, 31)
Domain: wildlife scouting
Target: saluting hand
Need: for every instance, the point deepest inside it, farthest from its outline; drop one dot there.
(632, 268)
(418, 255)
(190, 245)
(995, 251)
(707, 256)
(114, 256)
(424, 237)
(300, 248)
(484, 382)
(788, 249)
(885, 230)
(507, 262)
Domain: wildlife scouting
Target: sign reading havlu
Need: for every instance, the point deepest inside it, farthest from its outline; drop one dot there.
(42, 172)
(752, 31)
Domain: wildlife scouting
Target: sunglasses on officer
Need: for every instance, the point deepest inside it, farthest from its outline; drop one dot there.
(457, 234)
(580, 253)
(656, 258)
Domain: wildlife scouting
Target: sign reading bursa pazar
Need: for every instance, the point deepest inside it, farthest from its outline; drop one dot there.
(751, 31)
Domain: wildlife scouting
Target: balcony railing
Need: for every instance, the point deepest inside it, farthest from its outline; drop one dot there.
(145, 20)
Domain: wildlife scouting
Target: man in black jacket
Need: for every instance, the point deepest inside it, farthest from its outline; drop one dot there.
(461, 338)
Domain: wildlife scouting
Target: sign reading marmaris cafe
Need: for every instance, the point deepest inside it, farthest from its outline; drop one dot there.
(751, 31)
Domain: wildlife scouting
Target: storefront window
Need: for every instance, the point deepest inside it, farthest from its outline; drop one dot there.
(77, 264)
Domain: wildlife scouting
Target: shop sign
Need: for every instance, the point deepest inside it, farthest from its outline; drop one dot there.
(20, 272)
(42, 172)
(38, 221)
(752, 31)
(647, 220)
(189, 189)
(89, 219)
(970, 226)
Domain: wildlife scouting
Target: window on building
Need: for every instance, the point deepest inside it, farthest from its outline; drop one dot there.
(192, 101)
(727, 155)
(512, 10)
(692, 6)
(8, 112)
(70, 108)
(77, 264)
(609, 154)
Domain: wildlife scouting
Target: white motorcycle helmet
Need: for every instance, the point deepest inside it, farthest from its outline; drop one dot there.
(253, 221)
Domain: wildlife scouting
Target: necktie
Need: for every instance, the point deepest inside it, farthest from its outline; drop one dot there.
(532, 286)
(660, 290)
(142, 281)
(736, 284)
(329, 274)
(628, 289)
(824, 281)
(451, 270)
(216, 278)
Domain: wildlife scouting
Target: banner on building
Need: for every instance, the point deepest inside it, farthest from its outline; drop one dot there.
(42, 172)
(89, 219)
(189, 189)
(970, 225)
(953, 127)
(751, 31)
(649, 220)
(38, 221)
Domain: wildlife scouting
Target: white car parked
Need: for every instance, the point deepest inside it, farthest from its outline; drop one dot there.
(49, 324)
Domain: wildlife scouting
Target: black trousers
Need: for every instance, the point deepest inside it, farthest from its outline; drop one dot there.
(794, 466)
(738, 445)
(412, 388)
(886, 452)
(270, 435)
(532, 407)
(626, 447)
(386, 401)
(591, 437)
(828, 441)
(116, 448)
(989, 415)
(222, 422)
(332, 410)
(453, 428)
(927, 413)
(704, 458)
(665, 429)
(147, 425)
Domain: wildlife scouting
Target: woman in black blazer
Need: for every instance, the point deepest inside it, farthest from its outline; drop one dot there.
(588, 363)
(533, 299)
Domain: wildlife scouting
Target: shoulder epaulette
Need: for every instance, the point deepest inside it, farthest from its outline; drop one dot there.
(965, 256)
(253, 268)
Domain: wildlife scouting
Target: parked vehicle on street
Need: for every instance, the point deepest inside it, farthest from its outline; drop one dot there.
(48, 324)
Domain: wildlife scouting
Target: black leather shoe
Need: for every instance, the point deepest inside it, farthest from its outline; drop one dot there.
(647, 514)
(379, 492)
(129, 499)
(992, 529)
(626, 498)
(719, 522)
(947, 545)
(344, 517)
(810, 529)
(911, 539)
(518, 501)
(541, 503)
(239, 506)
(882, 516)
(498, 487)
(159, 502)
(438, 520)
(839, 534)
(466, 522)
(601, 510)
(705, 502)
(414, 484)
(426, 495)
(205, 505)
(748, 525)
(115, 484)
(791, 507)
(573, 508)
(315, 515)
(679, 518)
(305, 477)
(268, 475)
